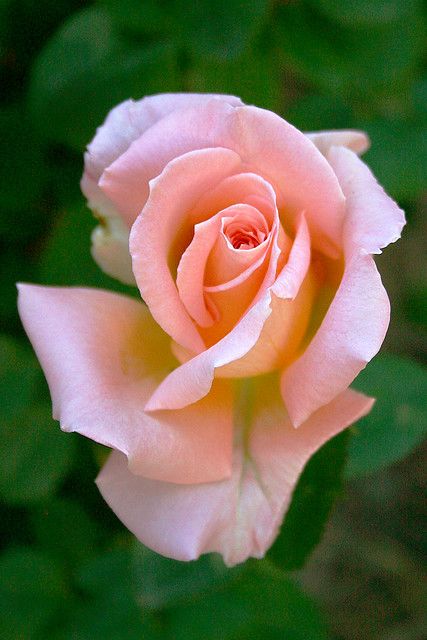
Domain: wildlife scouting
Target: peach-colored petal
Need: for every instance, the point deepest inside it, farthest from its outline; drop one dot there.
(298, 172)
(350, 335)
(193, 379)
(209, 255)
(239, 517)
(291, 303)
(300, 175)
(191, 271)
(358, 141)
(373, 219)
(103, 356)
(172, 195)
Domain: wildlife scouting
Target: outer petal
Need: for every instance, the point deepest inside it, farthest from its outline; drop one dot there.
(349, 336)
(172, 195)
(239, 517)
(300, 175)
(357, 320)
(358, 141)
(124, 123)
(373, 219)
(103, 355)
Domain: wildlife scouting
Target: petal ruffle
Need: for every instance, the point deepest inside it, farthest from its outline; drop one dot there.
(110, 250)
(241, 516)
(103, 355)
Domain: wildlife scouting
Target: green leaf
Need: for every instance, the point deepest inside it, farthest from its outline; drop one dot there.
(254, 77)
(392, 141)
(22, 174)
(32, 589)
(317, 489)
(165, 582)
(86, 69)
(345, 61)
(221, 29)
(318, 112)
(143, 18)
(19, 374)
(111, 609)
(63, 528)
(261, 599)
(398, 420)
(364, 13)
(35, 456)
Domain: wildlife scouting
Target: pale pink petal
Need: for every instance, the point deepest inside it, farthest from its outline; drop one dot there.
(358, 141)
(300, 175)
(193, 379)
(172, 195)
(128, 121)
(373, 219)
(208, 256)
(123, 125)
(126, 180)
(245, 188)
(103, 356)
(239, 517)
(350, 335)
(269, 146)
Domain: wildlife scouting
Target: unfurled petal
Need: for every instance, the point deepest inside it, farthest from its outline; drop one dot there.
(373, 219)
(357, 141)
(103, 355)
(241, 516)
(154, 233)
(350, 335)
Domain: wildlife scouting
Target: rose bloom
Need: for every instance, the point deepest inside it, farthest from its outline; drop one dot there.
(250, 243)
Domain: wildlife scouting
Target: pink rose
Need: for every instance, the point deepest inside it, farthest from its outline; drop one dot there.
(251, 245)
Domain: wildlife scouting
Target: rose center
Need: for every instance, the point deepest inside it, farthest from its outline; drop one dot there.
(245, 232)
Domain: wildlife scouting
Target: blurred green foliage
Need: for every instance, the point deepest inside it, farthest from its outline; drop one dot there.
(68, 570)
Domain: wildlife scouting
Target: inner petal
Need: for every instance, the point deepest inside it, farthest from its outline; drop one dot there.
(211, 259)
(246, 229)
(241, 243)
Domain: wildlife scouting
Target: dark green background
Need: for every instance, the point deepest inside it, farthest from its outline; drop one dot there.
(68, 569)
